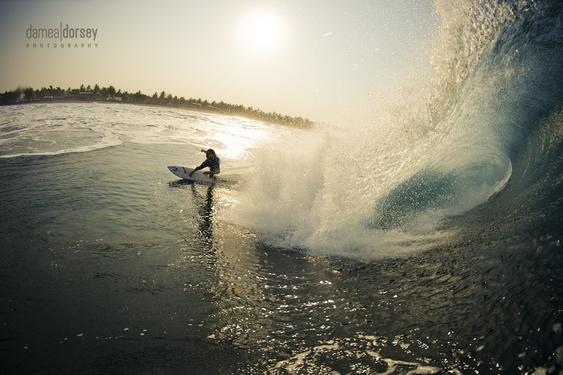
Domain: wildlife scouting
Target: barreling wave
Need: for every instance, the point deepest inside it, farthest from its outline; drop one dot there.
(484, 128)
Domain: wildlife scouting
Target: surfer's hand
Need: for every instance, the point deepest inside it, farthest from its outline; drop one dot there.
(206, 172)
(203, 150)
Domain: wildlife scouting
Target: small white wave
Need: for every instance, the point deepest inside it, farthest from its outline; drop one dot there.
(109, 141)
(350, 352)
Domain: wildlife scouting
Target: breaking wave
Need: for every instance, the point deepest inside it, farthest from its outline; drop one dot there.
(483, 127)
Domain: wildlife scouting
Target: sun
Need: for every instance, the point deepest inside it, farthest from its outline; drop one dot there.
(261, 31)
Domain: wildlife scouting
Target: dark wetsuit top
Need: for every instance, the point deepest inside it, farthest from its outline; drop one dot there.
(214, 165)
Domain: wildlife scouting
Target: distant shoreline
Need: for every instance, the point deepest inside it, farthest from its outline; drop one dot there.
(111, 96)
(207, 111)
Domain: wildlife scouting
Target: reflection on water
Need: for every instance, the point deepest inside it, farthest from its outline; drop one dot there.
(205, 210)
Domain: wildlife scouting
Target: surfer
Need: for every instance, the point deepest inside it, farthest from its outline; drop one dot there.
(211, 161)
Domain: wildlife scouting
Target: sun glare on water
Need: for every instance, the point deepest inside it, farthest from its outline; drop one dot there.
(261, 32)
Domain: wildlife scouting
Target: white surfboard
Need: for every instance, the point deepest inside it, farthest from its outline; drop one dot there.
(184, 173)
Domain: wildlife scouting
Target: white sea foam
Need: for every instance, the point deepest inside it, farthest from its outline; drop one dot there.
(108, 141)
(52, 129)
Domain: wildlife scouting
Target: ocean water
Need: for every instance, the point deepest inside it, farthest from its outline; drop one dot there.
(427, 241)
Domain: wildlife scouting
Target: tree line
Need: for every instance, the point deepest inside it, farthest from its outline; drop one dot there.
(110, 93)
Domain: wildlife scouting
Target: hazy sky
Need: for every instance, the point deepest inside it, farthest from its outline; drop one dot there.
(316, 58)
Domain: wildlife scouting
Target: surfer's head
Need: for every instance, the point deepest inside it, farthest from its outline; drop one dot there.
(210, 154)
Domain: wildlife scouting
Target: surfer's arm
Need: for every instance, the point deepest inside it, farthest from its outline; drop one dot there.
(203, 165)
